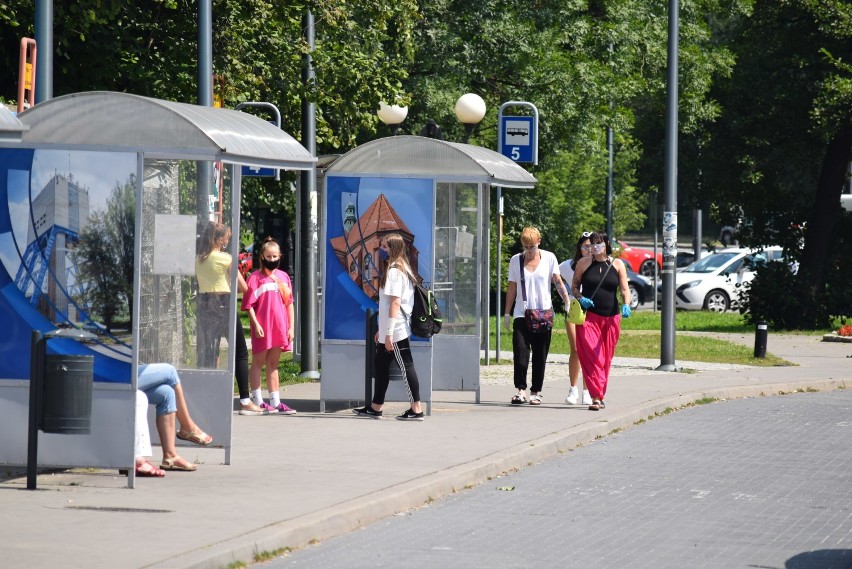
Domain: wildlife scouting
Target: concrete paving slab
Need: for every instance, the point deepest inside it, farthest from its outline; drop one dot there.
(294, 479)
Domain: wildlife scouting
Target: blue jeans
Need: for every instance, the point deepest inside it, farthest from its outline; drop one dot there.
(158, 382)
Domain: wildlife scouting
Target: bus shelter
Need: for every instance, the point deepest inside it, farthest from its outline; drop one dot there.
(103, 200)
(436, 195)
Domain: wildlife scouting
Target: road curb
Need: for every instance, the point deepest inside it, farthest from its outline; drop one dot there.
(352, 514)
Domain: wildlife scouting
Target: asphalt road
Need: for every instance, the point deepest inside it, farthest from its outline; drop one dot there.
(754, 483)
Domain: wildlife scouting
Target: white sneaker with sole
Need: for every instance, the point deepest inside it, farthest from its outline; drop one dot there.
(587, 398)
(573, 395)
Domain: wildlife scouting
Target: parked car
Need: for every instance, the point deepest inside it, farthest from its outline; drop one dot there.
(641, 288)
(686, 257)
(640, 260)
(713, 282)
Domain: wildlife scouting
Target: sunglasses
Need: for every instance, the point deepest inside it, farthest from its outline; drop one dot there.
(587, 233)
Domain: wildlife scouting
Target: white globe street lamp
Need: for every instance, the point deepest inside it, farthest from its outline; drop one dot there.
(392, 115)
(470, 110)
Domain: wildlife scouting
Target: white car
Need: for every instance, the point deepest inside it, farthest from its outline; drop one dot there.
(713, 282)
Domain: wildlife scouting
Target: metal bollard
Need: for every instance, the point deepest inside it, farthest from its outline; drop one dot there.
(371, 325)
(760, 334)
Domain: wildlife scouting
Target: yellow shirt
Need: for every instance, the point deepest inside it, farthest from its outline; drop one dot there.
(212, 272)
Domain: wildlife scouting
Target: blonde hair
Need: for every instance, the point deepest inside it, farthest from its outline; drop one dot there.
(398, 256)
(530, 236)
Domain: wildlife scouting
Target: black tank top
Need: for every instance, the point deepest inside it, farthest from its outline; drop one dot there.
(606, 303)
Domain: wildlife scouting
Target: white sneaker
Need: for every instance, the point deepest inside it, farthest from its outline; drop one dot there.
(573, 394)
(587, 398)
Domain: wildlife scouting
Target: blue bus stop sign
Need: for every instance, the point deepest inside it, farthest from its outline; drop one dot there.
(258, 172)
(518, 138)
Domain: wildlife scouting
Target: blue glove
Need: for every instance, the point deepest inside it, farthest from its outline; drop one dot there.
(586, 303)
(625, 311)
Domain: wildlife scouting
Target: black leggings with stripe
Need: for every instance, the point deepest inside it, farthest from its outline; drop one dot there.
(381, 369)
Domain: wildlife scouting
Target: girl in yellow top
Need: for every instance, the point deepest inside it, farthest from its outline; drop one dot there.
(213, 271)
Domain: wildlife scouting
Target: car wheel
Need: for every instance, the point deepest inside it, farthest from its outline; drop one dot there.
(634, 297)
(646, 269)
(717, 301)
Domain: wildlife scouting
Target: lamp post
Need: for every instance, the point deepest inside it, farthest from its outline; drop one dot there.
(470, 110)
(392, 115)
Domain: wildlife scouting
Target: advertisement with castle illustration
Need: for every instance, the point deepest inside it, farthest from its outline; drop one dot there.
(361, 211)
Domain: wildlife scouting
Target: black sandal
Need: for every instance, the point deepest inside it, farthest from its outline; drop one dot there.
(519, 399)
(596, 405)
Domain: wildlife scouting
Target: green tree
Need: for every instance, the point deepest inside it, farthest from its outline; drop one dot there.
(586, 65)
(105, 255)
(149, 47)
(778, 157)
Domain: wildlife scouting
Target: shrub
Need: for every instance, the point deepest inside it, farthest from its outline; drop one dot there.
(775, 296)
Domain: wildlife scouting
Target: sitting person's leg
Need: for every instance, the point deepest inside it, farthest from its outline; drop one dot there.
(164, 376)
(163, 397)
(189, 431)
(171, 459)
(142, 442)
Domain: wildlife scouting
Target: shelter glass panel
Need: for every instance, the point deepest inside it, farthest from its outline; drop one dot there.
(64, 245)
(186, 270)
(456, 251)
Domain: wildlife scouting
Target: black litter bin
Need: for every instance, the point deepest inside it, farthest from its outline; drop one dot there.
(67, 394)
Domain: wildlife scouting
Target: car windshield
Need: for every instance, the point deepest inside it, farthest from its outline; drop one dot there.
(710, 263)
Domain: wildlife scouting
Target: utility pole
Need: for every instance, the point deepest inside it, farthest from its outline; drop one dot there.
(667, 340)
(44, 53)
(307, 198)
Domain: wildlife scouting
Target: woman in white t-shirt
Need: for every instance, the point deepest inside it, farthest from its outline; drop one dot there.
(541, 269)
(566, 269)
(396, 299)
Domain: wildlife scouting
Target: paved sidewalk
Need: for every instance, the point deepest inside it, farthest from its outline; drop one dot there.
(311, 476)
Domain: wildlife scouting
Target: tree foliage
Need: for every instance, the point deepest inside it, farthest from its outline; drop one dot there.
(776, 160)
(105, 255)
(765, 93)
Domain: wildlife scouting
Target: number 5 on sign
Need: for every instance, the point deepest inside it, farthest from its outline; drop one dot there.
(516, 154)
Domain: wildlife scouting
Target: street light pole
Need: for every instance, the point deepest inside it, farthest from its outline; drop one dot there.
(667, 340)
(308, 341)
(392, 115)
(44, 52)
(470, 110)
(609, 185)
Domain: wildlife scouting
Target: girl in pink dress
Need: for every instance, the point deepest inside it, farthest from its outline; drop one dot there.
(269, 302)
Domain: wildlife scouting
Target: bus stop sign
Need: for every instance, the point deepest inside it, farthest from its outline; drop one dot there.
(518, 138)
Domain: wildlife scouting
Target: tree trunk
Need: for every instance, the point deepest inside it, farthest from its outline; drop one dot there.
(825, 215)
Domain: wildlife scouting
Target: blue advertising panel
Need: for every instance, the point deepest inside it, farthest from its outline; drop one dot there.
(49, 220)
(518, 138)
(359, 212)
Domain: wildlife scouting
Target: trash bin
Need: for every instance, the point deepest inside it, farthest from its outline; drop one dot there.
(67, 389)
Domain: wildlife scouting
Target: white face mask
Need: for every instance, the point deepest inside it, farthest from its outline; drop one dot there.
(598, 248)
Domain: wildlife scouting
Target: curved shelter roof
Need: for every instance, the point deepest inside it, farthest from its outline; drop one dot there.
(101, 120)
(427, 157)
(10, 127)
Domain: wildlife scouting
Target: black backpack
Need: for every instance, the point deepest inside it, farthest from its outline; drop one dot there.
(426, 317)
